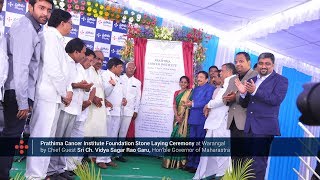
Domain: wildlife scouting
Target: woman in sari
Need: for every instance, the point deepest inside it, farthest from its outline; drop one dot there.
(180, 123)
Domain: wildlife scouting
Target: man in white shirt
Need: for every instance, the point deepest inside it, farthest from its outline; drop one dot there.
(78, 126)
(76, 52)
(113, 94)
(51, 89)
(97, 123)
(132, 95)
(216, 126)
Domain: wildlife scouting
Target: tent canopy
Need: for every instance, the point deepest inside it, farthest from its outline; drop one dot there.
(296, 34)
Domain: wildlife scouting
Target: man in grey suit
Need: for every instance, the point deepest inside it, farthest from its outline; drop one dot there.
(237, 114)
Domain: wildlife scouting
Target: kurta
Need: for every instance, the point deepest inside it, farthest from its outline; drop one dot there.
(216, 125)
(96, 123)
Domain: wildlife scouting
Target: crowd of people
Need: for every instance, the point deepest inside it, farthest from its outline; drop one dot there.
(232, 102)
(61, 86)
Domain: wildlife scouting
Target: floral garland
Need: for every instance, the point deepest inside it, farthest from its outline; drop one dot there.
(110, 11)
(127, 50)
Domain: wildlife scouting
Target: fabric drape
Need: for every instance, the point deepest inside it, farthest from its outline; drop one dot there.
(187, 49)
(140, 46)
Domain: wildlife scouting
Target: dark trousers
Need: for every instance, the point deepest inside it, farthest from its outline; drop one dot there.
(237, 143)
(196, 133)
(13, 127)
(260, 148)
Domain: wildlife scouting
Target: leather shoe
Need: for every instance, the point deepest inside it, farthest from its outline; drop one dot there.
(55, 176)
(112, 164)
(185, 168)
(102, 165)
(67, 176)
(121, 159)
(192, 170)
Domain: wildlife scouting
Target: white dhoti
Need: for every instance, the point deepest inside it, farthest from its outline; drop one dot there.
(43, 124)
(214, 165)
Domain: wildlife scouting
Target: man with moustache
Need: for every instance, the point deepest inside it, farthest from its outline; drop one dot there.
(262, 95)
(76, 53)
(212, 70)
(78, 126)
(132, 94)
(52, 87)
(113, 91)
(23, 44)
(201, 95)
(96, 124)
(237, 114)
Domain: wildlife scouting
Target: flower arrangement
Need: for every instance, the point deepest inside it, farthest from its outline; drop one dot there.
(59, 4)
(127, 50)
(132, 17)
(196, 36)
(76, 6)
(113, 13)
(199, 54)
(95, 9)
(163, 33)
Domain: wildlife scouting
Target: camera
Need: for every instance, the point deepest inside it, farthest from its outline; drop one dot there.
(308, 103)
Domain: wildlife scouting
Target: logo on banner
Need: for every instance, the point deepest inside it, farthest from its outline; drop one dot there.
(89, 44)
(75, 18)
(2, 17)
(88, 21)
(105, 48)
(11, 17)
(103, 36)
(104, 64)
(87, 33)
(16, 7)
(115, 51)
(119, 27)
(118, 38)
(74, 31)
(104, 24)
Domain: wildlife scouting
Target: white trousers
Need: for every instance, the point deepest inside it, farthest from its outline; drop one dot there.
(77, 132)
(113, 126)
(43, 124)
(124, 126)
(64, 129)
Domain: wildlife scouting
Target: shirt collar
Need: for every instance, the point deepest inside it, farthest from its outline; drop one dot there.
(110, 72)
(226, 80)
(35, 24)
(55, 30)
(70, 59)
(263, 77)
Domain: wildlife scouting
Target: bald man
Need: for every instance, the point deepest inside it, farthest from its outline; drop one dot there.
(132, 95)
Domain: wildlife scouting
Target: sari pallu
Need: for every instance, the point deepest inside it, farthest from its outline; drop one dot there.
(180, 130)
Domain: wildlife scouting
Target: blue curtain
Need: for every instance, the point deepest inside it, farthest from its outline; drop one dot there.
(281, 167)
(253, 57)
(212, 47)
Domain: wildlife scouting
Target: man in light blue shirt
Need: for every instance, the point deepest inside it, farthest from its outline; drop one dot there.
(24, 56)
